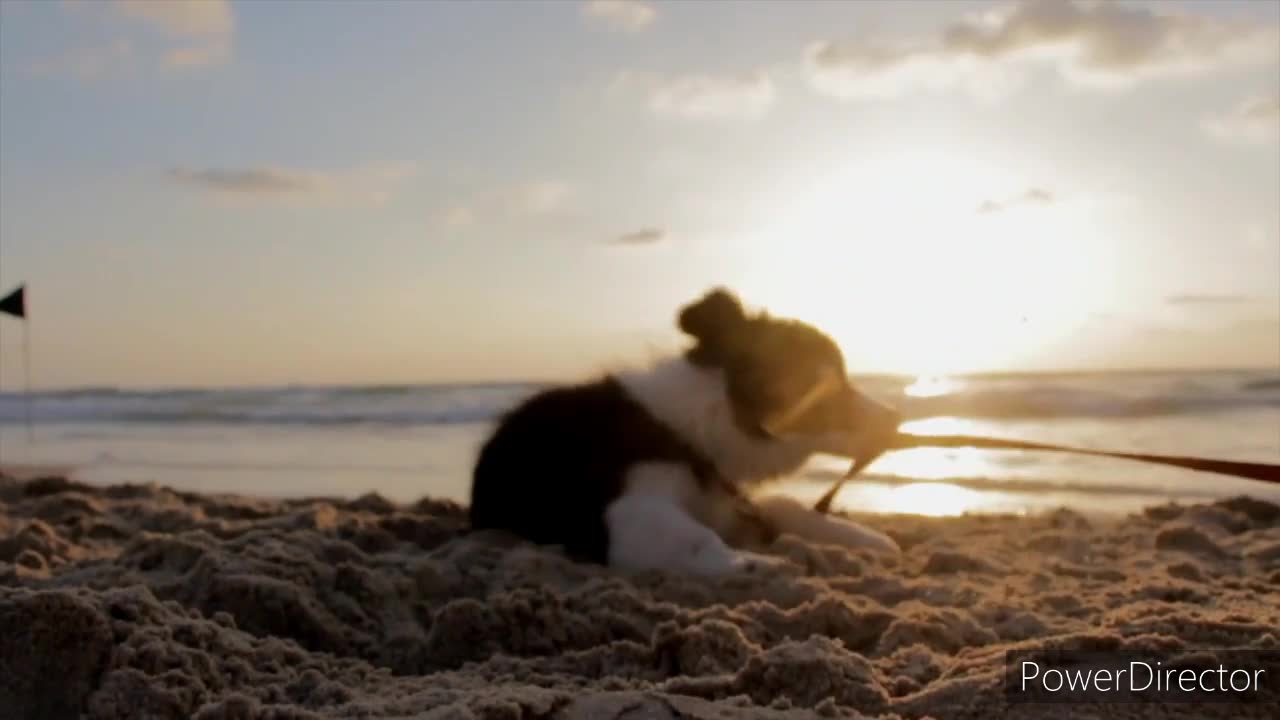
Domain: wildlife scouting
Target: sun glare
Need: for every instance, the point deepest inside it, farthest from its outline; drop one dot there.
(938, 463)
(935, 499)
(899, 260)
(944, 425)
(931, 386)
(935, 463)
(884, 486)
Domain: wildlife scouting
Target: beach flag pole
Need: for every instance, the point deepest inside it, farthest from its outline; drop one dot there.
(15, 304)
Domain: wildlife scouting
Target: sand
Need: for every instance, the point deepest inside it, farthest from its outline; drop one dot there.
(136, 601)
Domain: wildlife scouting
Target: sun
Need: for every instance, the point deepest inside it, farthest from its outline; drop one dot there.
(895, 258)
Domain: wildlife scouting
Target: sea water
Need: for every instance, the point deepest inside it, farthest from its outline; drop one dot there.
(409, 441)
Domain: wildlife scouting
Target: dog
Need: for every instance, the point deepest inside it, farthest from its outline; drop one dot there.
(658, 468)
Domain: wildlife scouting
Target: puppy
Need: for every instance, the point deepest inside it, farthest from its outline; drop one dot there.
(654, 469)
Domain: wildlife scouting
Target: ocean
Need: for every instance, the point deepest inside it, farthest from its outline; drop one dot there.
(408, 441)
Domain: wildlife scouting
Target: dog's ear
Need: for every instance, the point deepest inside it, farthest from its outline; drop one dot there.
(717, 316)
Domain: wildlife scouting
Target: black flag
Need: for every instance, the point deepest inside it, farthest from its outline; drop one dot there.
(15, 303)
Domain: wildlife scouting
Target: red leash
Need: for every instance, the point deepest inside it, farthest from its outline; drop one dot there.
(1265, 472)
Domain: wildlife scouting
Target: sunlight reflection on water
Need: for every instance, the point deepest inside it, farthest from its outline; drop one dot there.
(937, 499)
(938, 463)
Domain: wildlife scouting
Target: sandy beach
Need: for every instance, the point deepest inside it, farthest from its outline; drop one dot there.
(133, 601)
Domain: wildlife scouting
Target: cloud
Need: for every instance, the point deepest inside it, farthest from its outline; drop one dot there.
(643, 236)
(197, 55)
(866, 69)
(621, 15)
(714, 97)
(204, 27)
(459, 216)
(252, 181)
(532, 198)
(1032, 196)
(184, 34)
(182, 17)
(1208, 299)
(1254, 120)
(1088, 43)
(539, 197)
(367, 185)
(88, 63)
(702, 96)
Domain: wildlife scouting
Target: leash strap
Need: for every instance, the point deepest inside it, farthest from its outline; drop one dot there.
(1265, 472)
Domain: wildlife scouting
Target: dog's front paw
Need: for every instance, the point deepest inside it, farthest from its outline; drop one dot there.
(751, 563)
(792, 517)
(859, 537)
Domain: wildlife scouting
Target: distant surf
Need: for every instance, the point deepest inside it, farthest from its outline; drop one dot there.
(408, 440)
(1009, 397)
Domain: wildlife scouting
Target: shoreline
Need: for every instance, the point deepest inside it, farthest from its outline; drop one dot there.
(870, 494)
(134, 598)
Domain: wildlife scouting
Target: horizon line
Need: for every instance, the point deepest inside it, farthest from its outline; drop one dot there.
(982, 374)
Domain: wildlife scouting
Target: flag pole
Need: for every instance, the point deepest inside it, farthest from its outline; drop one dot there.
(15, 304)
(26, 369)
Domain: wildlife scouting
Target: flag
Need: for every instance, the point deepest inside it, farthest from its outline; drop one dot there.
(15, 303)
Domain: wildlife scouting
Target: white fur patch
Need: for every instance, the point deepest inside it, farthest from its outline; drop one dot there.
(652, 527)
(669, 480)
(694, 402)
(789, 516)
(661, 520)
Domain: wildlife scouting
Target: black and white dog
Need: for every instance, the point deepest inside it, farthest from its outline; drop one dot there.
(650, 469)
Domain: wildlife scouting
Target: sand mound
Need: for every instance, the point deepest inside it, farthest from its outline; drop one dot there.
(138, 601)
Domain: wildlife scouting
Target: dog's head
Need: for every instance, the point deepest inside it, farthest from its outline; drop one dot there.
(786, 380)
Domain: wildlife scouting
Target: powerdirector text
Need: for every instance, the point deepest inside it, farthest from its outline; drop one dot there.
(1229, 675)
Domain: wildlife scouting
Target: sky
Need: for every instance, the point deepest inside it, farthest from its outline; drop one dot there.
(216, 193)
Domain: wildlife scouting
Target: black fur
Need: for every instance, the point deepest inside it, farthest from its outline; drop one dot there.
(557, 460)
(768, 362)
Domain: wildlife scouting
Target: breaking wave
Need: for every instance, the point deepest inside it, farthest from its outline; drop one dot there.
(1117, 396)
